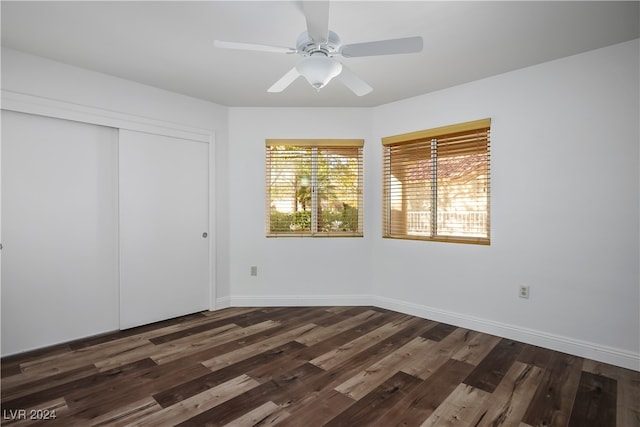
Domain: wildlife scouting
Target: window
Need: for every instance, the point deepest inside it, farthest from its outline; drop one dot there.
(436, 184)
(314, 187)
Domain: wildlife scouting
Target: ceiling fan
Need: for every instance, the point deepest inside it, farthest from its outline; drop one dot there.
(318, 47)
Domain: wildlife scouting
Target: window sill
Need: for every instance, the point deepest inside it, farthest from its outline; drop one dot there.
(321, 234)
(465, 240)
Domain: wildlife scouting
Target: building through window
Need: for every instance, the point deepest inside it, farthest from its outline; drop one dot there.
(436, 184)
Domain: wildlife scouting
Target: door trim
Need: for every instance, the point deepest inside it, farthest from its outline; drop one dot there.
(24, 103)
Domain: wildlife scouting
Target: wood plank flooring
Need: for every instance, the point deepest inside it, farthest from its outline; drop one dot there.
(312, 366)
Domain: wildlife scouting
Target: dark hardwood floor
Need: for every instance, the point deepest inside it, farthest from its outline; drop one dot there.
(312, 366)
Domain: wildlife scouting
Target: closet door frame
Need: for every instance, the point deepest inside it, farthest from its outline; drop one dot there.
(31, 104)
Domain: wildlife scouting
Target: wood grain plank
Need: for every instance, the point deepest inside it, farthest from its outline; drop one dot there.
(339, 316)
(461, 408)
(494, 366)
(474, 351)
(11, 364)
(178, 349)
(317, 408)
(438, 354)
(344, 371)
(206, 324)
(197, 385)
(232, 409)
(23, 386)
(322, 333)
(304, 355)
(259, 347)
(275, 314)
(551, 404)
(199, 403)
(344, 352)
(146, 331)
(508, 403)
(595, 402)
(110, 393)
(9, 369)
(127, 414)
(365, 381)
(628, 391)
(65, 362)
(301, 396)
(261, 416)
(46, 391)
(437, 333)
(417, 406)
(279, 389)
(376, 403)
(534, 355)
(283, 315)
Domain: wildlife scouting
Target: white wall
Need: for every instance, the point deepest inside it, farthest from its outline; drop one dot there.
(564, 208)
(293, 271)
(29, 74)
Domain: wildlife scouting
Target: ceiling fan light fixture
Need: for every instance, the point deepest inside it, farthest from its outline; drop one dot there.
(319, 70)
(318, 45)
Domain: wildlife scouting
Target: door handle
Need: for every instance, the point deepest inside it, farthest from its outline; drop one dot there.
(204, 235)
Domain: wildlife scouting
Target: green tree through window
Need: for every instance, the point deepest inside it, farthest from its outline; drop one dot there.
(314, 187)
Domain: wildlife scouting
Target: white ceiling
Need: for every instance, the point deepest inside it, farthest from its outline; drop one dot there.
(169, 44)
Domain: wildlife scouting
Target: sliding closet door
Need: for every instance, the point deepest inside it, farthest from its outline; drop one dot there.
(164, 242)
(59, 231)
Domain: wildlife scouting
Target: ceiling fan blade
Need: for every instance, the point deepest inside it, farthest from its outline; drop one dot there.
(317, 16)
(253, 46)
(353, 82)
(383, 47)
(285, 81)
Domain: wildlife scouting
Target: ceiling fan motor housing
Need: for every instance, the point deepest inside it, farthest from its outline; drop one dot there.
(308, 47)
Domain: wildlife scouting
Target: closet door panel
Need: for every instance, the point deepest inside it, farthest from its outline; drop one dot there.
(164, 246)
(59, 231)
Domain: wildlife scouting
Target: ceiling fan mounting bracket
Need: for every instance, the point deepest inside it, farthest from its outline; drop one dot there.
(306, 46)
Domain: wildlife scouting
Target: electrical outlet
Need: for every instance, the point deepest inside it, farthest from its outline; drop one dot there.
(523, 292)
(254, 270)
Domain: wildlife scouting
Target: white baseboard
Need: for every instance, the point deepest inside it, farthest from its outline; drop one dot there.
(221, 303)
(588, 350)
(300, 300)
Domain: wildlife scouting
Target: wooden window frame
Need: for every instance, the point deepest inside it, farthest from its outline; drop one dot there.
(315, 146)
(422, 152)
